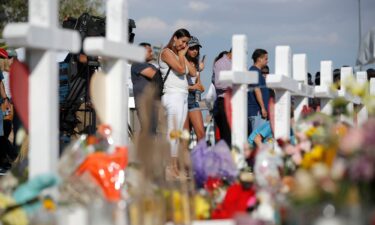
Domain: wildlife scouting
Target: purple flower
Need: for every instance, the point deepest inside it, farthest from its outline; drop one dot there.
(213, 161)
(369, 134)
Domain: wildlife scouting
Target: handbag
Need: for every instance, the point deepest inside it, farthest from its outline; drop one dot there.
(8, 113)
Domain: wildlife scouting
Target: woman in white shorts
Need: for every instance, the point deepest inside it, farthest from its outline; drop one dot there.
(175, 91)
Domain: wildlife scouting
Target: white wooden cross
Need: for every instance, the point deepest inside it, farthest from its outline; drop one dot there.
(42, 38)
(115, 46)
(305, 91)
(325, 91)
(345, 73)
(240, 77)
(362, 114)
(283, 85)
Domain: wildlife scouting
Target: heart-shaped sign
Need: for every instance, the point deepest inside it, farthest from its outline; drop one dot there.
(228, 106)
(19, 87)
(98, 95)
(271, 113)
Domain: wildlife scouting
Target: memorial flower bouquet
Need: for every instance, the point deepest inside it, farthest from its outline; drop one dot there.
(314, 168)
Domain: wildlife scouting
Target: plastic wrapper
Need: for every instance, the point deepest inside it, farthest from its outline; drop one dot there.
(92, 168)
(213, 161)
(267, 169)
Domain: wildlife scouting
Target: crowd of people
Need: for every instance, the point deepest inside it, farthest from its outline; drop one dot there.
(180, 65)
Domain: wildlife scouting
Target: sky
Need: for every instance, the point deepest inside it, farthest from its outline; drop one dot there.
(323, 29)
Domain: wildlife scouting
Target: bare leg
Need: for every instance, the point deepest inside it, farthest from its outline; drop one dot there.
(196, 119)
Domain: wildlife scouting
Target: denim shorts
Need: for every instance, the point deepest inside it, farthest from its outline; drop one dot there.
(192, 103)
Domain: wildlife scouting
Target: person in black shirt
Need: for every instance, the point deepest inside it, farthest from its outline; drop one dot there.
(141, 76)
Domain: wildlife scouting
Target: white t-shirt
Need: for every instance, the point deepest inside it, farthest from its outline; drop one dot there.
(6, 84)
(175, 83)
(192, 80)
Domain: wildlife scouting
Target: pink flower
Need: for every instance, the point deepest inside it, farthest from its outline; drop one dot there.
(352, 142)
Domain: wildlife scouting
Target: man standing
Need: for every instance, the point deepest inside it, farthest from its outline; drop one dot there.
(141, 76)
(222, 62)
(258, 94)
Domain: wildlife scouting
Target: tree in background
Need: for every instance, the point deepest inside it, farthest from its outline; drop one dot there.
(74, 8)
(17, 10)
(12, 11)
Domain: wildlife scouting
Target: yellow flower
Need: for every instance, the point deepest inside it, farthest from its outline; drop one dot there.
(177, 207)
(15, 217)
(307, 161)
(330, 155)
(317, 152)
(179, 134)
(202, 208)
(311, 131)
(49, 205)
(341, 129)
(175, 134)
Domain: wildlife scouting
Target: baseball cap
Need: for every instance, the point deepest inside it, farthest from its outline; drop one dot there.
(194, 42)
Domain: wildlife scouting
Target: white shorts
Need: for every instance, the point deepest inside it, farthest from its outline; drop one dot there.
(176, 108)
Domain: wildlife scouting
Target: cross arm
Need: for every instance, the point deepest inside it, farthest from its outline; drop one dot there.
(239, 77)
(35, 37)
(305, 90)
(325, 92)
(282, 82)
(112, 49)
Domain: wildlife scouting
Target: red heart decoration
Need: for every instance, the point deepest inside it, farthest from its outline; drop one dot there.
(19, 87)
(228, 106)
(271, 113)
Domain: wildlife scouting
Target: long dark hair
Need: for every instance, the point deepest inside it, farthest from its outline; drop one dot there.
(194, 60)
(221, 54)
(178, 34)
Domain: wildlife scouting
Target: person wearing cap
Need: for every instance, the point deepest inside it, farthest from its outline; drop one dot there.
(194, 117)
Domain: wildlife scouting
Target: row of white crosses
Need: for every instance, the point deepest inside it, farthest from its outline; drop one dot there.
(42, 38)
(290, 79)
(327, 94)
(286, 84)
(285, 87)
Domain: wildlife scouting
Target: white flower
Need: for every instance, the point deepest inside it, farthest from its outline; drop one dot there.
(185, 135)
